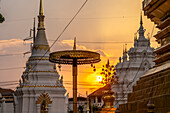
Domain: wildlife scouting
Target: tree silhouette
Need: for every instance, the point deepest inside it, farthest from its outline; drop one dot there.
(2, 19)
(108, 74)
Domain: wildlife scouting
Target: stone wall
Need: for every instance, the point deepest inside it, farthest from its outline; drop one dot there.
(155, 87)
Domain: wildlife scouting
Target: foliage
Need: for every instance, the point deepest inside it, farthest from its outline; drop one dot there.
(2, 19)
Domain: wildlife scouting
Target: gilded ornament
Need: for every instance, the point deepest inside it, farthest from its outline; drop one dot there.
(41, 47)
(44, 97)
(38, 58)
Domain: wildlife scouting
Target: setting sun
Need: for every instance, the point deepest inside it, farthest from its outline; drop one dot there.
(99, 78)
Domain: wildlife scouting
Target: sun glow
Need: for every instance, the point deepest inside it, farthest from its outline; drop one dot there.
(99, 78)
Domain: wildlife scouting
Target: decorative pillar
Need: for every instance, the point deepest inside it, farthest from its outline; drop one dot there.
(49, 108)
(38, 108)
(150, 106)
(75, 85)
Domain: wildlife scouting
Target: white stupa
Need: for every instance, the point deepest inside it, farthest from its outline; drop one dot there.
(129, 70)
(41, 90)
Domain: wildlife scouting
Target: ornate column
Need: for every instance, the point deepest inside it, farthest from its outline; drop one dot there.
(38, 108)
(74, 85)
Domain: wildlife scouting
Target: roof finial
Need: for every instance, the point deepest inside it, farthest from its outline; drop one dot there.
(41, 17)
(34, 31)
(125, 48)
(141, 29)
(74, 48)
(41, 12)
(108, 62)
(141, 22)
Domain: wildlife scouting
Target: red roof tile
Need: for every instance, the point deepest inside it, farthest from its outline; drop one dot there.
(99, 92)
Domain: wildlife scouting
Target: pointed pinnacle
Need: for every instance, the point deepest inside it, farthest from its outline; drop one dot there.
(41, 11)
(108, 62)
(41, 17)
(125, 48)
(74, 48)
(141, 22)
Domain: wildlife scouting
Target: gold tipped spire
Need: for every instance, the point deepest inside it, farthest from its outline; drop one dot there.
(74, 48)
(41, 17)
(41, 12)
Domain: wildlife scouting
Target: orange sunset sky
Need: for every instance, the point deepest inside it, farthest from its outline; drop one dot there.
(99, 21)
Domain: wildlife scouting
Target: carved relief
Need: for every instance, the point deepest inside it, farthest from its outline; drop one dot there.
(44, 99)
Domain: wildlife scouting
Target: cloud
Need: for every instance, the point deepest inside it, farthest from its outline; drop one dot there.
(102, 53)
(68, 45)
(13, 46)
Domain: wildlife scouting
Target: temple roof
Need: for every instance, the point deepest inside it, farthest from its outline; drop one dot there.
(6, 92)
(99, 92)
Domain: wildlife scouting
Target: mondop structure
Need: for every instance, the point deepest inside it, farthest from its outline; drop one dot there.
(41, 90)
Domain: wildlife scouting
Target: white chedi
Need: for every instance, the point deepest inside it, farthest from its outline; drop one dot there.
(40, 90)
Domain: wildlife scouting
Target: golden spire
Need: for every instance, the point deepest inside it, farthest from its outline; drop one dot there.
(74, 48)
(41, 17)
(41, 12)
